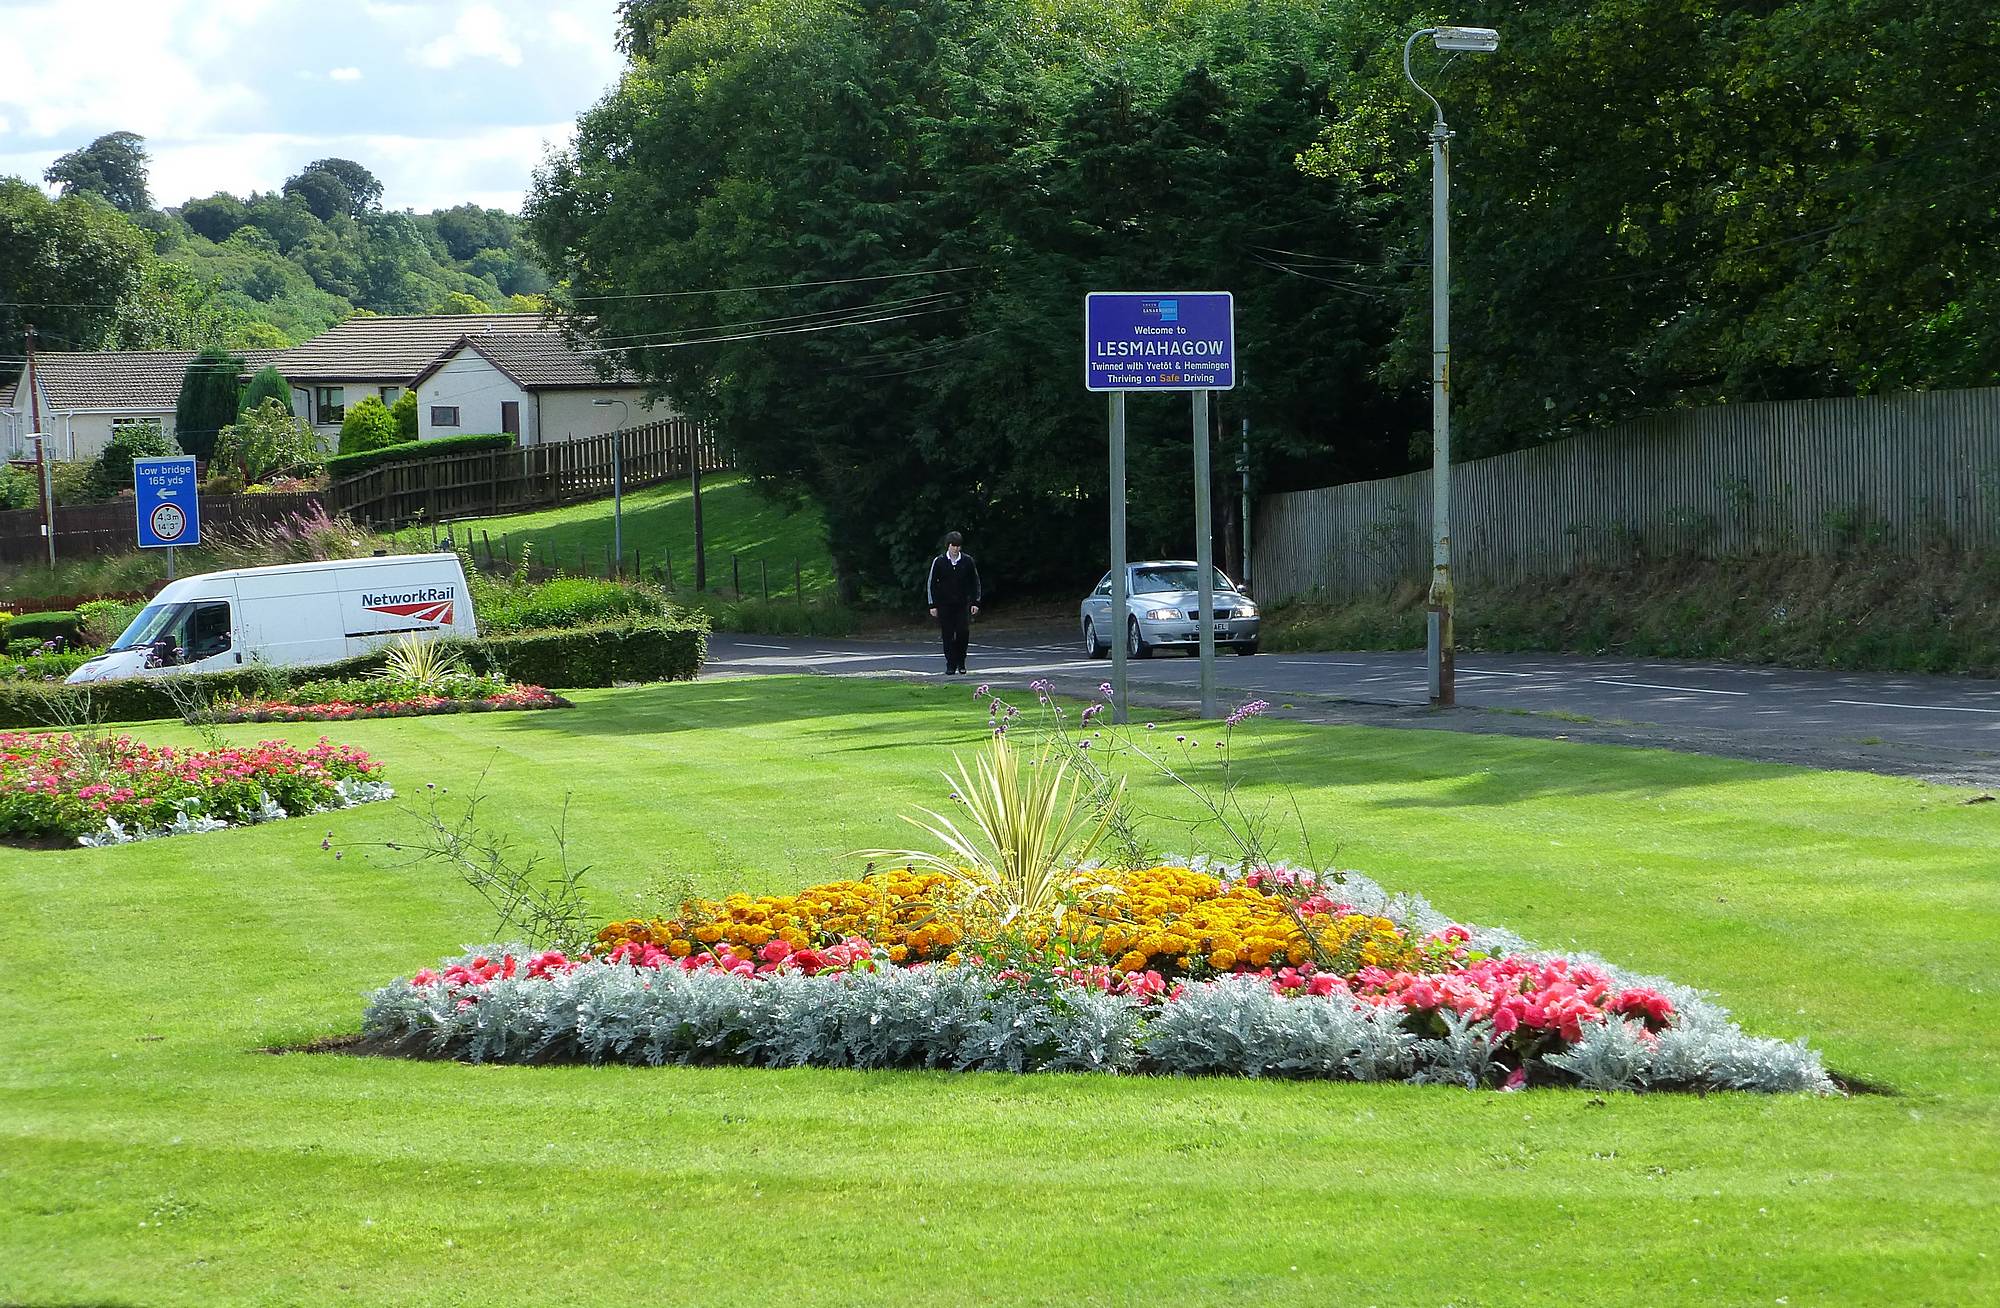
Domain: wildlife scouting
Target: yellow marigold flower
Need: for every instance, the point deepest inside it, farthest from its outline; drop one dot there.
(1222, 960)
(1132, 962)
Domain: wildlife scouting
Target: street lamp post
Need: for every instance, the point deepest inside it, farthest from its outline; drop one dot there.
(618, 479)
(1482, 40)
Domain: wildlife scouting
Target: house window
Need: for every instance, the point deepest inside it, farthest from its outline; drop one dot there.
(444, 415)
(330, 402)
(390, 394)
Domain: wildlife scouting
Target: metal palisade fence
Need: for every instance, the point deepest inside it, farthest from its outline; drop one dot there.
(533, 476)
(1899, 472)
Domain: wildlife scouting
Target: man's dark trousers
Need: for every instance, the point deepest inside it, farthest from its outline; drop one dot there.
(955, 625)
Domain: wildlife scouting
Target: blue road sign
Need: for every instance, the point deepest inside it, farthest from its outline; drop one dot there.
(169, 508)
(1159, 341)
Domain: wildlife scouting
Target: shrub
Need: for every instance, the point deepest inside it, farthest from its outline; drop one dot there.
(404, 410)
(72, 483)
(17, 488)
(268, 384)
(102, 621)
(208, 399)
(112, 473)
(268, 440)
(367, 426)
(655, 650)
(566, 602)
(65, 625)
(346, 464)
(43, 667)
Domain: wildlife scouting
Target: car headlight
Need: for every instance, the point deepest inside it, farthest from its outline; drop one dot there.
(1246, 610)
(1162, 615)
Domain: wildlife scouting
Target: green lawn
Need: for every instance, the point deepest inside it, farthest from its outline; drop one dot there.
(736, 521)
(150, 1155)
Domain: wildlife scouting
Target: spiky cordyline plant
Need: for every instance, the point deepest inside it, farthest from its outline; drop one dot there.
(1030, 831)
(422, 664)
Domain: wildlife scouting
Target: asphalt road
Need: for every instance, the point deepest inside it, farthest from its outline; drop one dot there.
(1938, 728)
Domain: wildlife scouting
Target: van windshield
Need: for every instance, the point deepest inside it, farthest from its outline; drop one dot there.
(154, 621)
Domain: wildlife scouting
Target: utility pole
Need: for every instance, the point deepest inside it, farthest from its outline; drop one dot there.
(1243, 471)
(694, 480)
(44, 490)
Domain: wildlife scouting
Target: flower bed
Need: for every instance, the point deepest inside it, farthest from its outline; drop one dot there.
(1276, 972)
(110, 790)
(512, 698)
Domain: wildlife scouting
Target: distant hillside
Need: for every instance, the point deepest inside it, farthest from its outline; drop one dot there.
(102, 268)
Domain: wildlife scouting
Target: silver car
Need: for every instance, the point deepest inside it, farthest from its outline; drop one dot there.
(1162, 611)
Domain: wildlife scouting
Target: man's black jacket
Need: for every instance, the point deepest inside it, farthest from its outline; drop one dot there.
(952, 585)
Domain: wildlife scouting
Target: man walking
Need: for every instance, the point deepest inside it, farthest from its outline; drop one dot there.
(953, 592)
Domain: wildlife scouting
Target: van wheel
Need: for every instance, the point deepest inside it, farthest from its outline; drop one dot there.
(1247, 648)
(1093, 648)
(1134, 647)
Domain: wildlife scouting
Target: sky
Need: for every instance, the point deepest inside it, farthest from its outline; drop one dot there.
(447, 101)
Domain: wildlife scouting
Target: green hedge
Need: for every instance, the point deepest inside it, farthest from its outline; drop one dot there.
(60, 624)
(650, 650)
(346, 465)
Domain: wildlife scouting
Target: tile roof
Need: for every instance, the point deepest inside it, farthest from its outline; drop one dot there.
(390, 349)
(535, 361)
(140, 380)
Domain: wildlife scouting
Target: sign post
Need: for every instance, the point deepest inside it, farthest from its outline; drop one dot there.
(169, 505)
(1160, 341)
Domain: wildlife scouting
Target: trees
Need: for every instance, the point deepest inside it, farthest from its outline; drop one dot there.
(322, 193)
(934, 185)
(207, 400)
(267, 440)
(64, 265)
(336, 186)
(267, 384)
(217, 217)
(113, 166)
(368, 426)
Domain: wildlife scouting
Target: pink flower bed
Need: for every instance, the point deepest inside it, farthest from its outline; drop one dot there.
(61, 785)
(264, 710)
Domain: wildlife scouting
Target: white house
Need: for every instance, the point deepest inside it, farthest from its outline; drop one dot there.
(378, 355)
(485, 373)
(528, 383)
(84, 397)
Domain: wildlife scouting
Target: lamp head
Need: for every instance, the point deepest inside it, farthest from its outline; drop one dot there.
(1480, 40)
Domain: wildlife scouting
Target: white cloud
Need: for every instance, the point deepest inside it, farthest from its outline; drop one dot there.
(70, 70)
(222, 107)
(479, 33)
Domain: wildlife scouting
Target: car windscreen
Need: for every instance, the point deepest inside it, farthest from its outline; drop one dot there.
(1161, 581)
(153, 622)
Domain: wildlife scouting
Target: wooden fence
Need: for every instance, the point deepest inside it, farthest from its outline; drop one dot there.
(1889, 472)
(531, 477)
(113, 528)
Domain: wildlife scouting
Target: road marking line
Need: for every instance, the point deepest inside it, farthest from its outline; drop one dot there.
(752, 645)
(1467, 672)
(1928, 708)
(1319, 663)
(1654, 685)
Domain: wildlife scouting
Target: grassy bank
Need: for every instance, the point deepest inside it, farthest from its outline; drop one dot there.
(154, 1155)
(765, 537)
(1938, 612)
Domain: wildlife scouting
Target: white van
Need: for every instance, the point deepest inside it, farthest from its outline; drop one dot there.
(289, 615)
